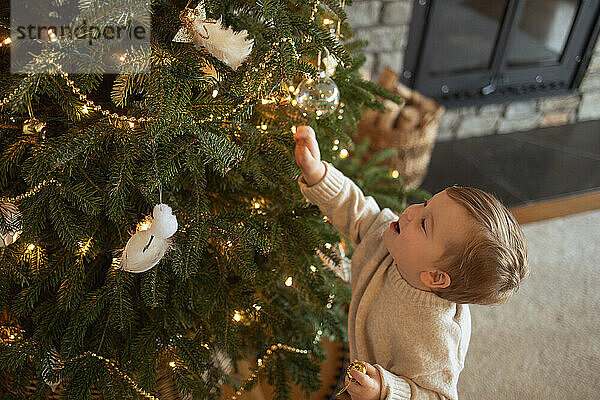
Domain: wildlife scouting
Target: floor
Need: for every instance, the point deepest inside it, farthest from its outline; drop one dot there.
(521, 168)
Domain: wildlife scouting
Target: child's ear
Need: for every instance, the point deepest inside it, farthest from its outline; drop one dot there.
(435, 279)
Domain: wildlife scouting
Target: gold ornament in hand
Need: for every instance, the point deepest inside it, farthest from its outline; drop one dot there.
(353, 365)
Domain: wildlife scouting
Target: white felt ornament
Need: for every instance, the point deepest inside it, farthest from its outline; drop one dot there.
(147, 247)
(222, 42)
(12, 225)
(343, 270)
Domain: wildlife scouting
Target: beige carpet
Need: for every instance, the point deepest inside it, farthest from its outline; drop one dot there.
(545, 342)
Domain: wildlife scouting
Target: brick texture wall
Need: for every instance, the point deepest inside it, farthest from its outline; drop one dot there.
(385, 24)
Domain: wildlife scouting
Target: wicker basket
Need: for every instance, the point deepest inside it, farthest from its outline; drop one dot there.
(411, 128)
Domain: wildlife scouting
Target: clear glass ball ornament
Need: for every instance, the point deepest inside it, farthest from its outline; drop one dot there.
(319, 97)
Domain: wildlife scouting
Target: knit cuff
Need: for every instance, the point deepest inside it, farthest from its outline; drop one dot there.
(393, 387)
(326, 189)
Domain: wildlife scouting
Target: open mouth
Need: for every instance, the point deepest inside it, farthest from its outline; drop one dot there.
(395, 226)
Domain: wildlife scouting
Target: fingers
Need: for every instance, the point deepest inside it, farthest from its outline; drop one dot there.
(371, 370)
(305, 136)
(365, 387)
(304, 131)
(362, 379)
(303, 156)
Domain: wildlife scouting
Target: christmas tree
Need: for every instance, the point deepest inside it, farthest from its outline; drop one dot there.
(152, 232)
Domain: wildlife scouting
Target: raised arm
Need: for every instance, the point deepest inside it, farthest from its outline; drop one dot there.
(340, 199)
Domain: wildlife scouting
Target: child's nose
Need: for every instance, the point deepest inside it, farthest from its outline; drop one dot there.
(409, 212)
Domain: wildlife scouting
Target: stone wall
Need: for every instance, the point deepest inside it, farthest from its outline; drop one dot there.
(386, 25)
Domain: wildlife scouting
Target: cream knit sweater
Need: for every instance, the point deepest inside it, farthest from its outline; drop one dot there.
(417, 340)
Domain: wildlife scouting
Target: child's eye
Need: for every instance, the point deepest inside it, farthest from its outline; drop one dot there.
(423, 223)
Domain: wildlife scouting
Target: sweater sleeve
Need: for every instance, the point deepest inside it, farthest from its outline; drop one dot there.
(394, 387)
(342, 201)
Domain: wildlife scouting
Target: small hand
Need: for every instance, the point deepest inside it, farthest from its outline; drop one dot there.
(308, 156)
(368, 386)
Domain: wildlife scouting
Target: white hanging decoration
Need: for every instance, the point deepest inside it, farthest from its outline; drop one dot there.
(330, 64)
(222, 42)
(151, 241)
(344, 269)
(12, 225)
(51, 363)
(221, 360)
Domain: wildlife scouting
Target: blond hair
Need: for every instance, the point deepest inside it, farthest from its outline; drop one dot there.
(488, 267)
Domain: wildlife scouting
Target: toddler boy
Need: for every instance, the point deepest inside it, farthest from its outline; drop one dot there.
(413, 277)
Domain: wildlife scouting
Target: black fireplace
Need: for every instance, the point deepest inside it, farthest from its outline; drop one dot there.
(466, 52)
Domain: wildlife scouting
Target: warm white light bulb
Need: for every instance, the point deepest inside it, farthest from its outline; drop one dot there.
(344, 153)
(215, 92)
(144, 225)
(237, 317)
(395, 174)
(289, 281)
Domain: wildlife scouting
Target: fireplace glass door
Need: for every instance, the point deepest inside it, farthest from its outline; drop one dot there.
(542, 32)
(480, 51)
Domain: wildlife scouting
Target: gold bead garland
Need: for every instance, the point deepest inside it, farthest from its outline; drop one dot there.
(90, 105)
(314, 10)
(10, 335)
(260, 364)
(113, 368)
(18, 89)
(31, 191)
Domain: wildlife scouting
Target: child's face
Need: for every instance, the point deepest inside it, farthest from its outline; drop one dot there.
(425, 231)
